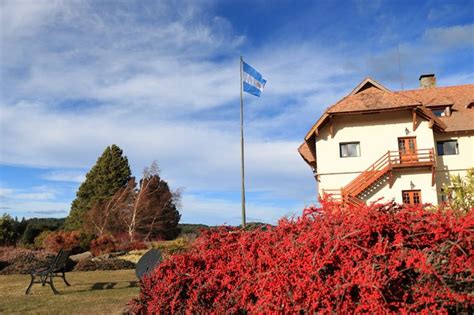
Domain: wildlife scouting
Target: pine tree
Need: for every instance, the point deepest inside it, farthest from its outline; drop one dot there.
(110, 173)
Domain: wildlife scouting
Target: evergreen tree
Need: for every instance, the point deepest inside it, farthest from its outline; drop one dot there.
(110, 173)
(8, 233)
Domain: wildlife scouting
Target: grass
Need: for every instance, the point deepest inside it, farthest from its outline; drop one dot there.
(92, 292)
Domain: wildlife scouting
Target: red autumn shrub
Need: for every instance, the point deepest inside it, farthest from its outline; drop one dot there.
(123, 243)
(70, 240)
(378, 259)
(107, 243)
(103, 244)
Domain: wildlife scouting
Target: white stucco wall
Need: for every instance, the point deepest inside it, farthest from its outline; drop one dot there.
(377, 133)
(405, 180)
(447, 165)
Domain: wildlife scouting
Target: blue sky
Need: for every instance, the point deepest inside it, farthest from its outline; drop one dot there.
(161, 80)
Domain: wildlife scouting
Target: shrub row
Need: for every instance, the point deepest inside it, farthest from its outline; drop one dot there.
(79, 242)
(381, 259)
(24, 262)
(105, 264)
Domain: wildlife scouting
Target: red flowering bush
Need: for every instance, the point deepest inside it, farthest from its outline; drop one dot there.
(123, 243)
(378, 259)
(70, 240)
(103, 244)
(107, 243)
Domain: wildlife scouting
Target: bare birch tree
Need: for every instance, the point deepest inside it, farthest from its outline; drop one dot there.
(100, 218)
(150, 210)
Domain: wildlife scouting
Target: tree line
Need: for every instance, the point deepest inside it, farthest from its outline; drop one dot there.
(110, 201)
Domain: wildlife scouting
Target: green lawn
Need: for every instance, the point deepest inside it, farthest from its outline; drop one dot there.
(93, 292)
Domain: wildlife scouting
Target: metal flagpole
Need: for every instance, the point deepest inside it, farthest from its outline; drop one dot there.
(242, 143)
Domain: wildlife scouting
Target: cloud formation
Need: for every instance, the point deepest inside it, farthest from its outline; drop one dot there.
(160, 79)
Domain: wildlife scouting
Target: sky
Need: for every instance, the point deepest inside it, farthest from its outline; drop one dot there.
(160, 79)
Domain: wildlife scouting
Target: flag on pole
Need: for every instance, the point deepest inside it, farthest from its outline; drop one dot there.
(253, 81)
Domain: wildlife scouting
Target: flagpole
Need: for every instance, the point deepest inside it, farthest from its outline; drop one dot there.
(242, 143)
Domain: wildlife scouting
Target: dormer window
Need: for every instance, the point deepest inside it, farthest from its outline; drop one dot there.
(441, 111)
(438, 112)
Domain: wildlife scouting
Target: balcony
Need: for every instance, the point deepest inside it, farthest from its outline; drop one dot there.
(415, 158)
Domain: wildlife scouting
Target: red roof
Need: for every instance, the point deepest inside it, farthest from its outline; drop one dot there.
(460, 96)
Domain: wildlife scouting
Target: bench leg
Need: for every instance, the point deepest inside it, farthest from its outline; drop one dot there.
(65, 281)
(31, 284)
(51, 284)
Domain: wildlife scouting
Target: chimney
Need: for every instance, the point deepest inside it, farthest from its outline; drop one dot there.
(427, 81)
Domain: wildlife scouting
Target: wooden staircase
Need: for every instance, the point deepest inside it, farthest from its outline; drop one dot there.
(382, 168)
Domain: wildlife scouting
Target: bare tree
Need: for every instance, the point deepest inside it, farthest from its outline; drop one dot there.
(150, 210)
(100, 218)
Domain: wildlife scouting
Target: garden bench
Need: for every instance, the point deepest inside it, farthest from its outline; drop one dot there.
(55, 269)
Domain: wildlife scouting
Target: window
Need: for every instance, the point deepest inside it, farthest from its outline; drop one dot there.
(349, 149)
(449, 147)
(411, 197)
(439, 112)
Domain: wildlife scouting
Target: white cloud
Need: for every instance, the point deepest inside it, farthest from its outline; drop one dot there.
(429, 54)
(192, 154)
(65, 176)
(93, 54)
(23, 17)
(215, 211)
(38, 193)
(6, 192)
(456, 79)
(38, 208)
(451, 37)
(36, 196)
(37, 201)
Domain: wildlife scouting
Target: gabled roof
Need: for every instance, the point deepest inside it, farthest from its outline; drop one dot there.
(366, 83)
(371, 96)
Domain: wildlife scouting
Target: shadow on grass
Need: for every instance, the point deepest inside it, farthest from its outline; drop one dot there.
(111, 285)
(98, 286)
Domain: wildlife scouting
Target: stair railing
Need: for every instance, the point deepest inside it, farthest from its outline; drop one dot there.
(368, 174)
(380, 167)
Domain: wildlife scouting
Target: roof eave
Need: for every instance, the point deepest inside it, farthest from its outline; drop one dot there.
(310, 160)
(325, 117)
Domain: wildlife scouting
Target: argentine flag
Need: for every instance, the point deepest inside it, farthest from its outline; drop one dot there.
(253, 82)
